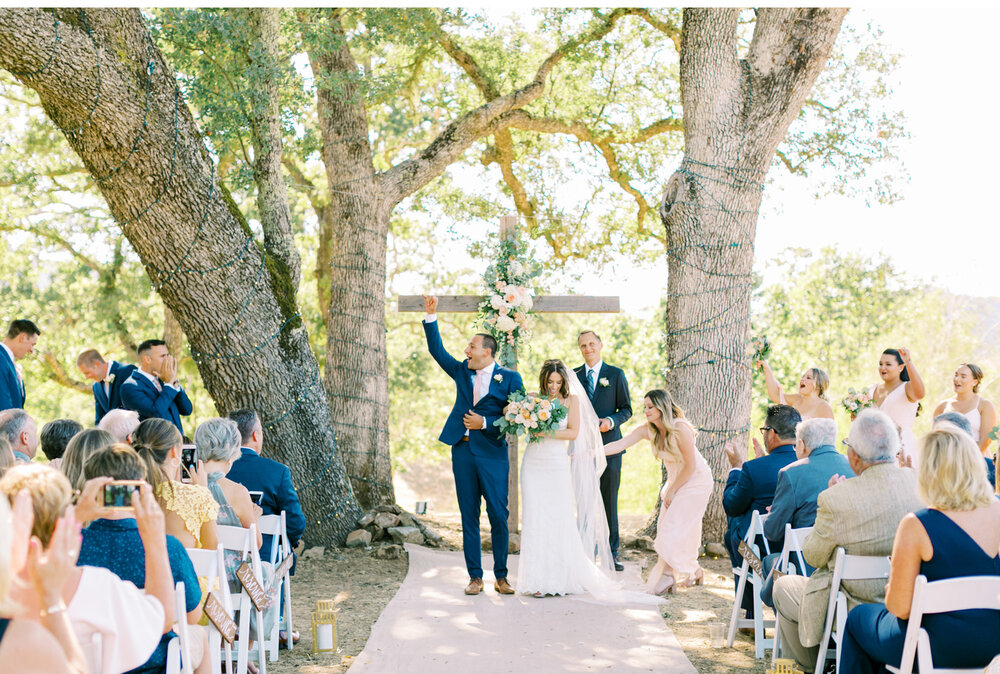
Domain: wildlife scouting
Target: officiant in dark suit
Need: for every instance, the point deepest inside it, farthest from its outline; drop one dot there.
(608, 391)
(108, 379)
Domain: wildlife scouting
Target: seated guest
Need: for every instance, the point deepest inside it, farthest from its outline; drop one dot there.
(153, 390)
(54, 437)
(117, 625)
(859, 515)
(957, 535)
(121, 424)
(218, 443)
(108, 379)
(21, 432)
(79, 449)
(46, 642)
(751, 484)
(189, 509)
(799, 485)
(273, 479)
(116, 543)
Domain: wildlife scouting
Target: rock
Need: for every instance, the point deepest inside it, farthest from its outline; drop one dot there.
(645, 543)
(394, 509)
(359, 539)
(407, 520)
(514, 544)
(314, 553)
(366, 519)
(431, 536)
(406, 535)
(629, 540)
(717, 549)
(387, 520)
(389, 552)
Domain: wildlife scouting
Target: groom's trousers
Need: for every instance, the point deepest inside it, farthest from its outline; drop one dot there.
(481, 477)
(610, 480)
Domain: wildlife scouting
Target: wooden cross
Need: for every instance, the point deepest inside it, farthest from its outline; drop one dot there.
(565, 304)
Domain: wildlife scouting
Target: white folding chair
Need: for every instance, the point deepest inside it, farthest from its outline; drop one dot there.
(274, 525)
(792, 544)
(746, 574)
(211, 565)
(943, 596)
(179, 648)
(244, 541)
(845, 567)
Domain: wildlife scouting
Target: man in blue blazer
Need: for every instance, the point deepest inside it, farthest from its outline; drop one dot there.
(608, 392)
(478, 448)
(22, 335)
(751, 484)
(153, 390)
(108, 380)
(271, 478)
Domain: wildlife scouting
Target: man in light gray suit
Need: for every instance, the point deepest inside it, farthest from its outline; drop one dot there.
(860, 515)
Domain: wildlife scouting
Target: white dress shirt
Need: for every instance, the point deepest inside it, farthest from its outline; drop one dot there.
(597, 380)
(481, 382)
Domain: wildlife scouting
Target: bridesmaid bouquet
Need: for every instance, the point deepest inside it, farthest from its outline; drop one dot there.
(759, 348)
(855, 401)
(533, 416)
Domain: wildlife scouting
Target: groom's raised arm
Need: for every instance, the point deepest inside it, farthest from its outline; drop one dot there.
(434, 344)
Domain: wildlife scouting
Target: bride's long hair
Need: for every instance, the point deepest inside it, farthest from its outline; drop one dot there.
(548, 367)
(665, 444)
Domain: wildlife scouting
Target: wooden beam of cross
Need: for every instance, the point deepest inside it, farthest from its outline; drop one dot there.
(545, 304)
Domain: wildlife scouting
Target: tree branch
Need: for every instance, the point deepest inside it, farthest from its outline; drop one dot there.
(52, 236)
(58, 374)
(668, 27)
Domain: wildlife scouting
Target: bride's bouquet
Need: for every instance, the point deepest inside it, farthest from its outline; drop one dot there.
(855, 401)
(533, 416)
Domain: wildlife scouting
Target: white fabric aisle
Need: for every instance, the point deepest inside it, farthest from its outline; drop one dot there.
(431, 626)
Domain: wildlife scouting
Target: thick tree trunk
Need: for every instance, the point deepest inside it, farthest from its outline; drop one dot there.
(736, 112)
(356, 366)
(235, 303)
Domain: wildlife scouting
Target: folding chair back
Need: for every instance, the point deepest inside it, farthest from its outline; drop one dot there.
(179, 648)
(211, 565)
(845, 567)
(943, 596)
(244, 541)
(274, 525)
(793, 544)
(747, 574)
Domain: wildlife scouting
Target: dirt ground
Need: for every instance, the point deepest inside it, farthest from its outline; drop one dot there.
(362, 585)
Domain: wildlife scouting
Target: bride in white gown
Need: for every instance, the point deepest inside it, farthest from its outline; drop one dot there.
(562, 551)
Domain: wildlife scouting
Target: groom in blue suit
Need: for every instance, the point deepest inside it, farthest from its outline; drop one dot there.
(153, 390)
(19, 342)
(478, 448)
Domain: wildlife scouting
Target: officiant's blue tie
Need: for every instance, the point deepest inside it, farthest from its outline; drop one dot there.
(590, 384)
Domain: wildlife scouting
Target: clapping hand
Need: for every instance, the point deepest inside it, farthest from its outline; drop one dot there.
(736, 457)
(49, 569)
(430, 304)
(22, 519)
(904, 460)
(835, 479)
(759, 450)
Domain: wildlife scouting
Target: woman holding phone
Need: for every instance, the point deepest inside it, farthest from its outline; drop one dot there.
(189, 509)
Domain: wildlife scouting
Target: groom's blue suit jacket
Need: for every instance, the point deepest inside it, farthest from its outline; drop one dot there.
(489, 441)
(11, 395)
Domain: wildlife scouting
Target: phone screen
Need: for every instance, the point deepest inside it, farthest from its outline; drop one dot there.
(189, 460)
(118, 494)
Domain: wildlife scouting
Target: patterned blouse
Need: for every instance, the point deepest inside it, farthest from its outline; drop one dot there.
(191, 502)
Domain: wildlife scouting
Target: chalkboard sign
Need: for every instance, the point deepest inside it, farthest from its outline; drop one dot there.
(751, 557)
(284, 567)
(216, 613)
(253, 588)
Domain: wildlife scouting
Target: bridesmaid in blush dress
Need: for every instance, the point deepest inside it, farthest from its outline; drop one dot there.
(899, 396)
(684, 497)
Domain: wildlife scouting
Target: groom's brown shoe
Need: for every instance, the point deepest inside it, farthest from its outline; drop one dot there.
(502, 586)
(475, 586)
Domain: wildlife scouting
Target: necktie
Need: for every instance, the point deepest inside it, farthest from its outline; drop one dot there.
(590, 384)
(477, 388)
(159, 384)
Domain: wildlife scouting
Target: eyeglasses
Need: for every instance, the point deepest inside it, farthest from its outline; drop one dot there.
(765, 429)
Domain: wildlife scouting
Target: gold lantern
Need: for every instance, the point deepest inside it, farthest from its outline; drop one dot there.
(324, 627)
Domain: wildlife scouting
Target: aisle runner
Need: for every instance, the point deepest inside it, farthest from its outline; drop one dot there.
(431, 626)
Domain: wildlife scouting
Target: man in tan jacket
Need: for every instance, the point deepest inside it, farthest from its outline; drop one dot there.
(858, 514)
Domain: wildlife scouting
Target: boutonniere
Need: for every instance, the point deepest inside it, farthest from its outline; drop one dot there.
(498, 377)
(604, 381)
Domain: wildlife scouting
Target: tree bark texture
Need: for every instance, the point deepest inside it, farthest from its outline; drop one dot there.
(736, 112)
(104, 84)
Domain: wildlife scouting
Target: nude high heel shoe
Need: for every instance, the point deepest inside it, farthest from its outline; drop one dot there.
(666, 585)
(696, 578)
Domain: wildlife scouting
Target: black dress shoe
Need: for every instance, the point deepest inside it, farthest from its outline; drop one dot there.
(619, 566)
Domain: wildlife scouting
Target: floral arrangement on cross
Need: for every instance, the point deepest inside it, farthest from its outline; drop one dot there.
(506, 309)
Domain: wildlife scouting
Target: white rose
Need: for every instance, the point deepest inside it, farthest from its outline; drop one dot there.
(505, 323)
(497, 302)
(516, 269)
(526, 301)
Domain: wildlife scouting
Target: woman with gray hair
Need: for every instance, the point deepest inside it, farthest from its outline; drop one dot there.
(218, 443)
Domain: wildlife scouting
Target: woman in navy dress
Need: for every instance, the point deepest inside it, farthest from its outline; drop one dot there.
(957, 535)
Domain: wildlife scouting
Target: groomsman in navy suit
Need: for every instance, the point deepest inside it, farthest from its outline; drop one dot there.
(19, 342)
(108, 379)
(478, 448)
(608, 392)
(153, 390)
